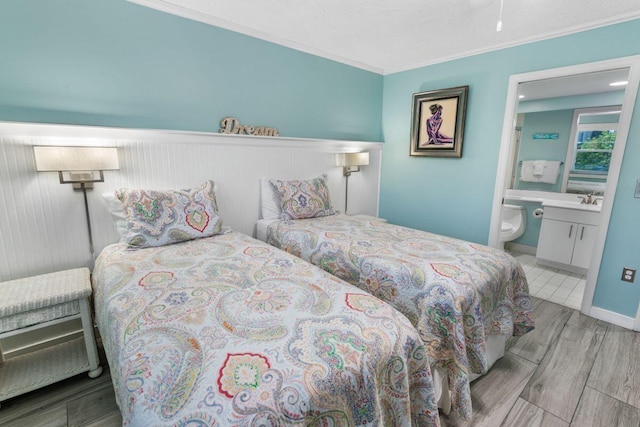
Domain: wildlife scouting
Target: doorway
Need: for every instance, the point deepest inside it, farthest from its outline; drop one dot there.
(507, 157)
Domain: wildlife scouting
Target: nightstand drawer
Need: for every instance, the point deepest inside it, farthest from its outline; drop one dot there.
(41, 315)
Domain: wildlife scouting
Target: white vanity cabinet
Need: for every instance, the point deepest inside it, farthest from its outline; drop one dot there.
(567, 237)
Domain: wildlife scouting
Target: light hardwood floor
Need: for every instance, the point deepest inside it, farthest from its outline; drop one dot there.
(570, 371)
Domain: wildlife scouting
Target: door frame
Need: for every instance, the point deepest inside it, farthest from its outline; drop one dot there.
(506, 153)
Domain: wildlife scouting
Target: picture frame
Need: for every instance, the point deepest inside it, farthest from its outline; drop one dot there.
(437, 122)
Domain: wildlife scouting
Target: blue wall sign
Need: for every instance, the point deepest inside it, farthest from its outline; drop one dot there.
(546, 135)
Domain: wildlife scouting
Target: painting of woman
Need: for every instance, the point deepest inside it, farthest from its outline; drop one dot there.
(437, 122)
(433, 127)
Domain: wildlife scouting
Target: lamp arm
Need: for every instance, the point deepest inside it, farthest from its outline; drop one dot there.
(86, 210)
(346, 192)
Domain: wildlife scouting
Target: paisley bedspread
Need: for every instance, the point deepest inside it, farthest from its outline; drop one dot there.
(229, 331)
(456, 293)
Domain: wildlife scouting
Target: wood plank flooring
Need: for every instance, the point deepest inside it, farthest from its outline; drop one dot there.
(571, 371)
(577, 371)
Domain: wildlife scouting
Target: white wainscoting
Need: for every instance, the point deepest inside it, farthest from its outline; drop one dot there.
(42, 222)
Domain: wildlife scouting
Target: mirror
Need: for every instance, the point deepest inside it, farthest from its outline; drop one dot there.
(565, 132)
(564, 81)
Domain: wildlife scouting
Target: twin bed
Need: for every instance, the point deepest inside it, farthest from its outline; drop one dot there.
(464, 299)
(203, 326)
(226, 330)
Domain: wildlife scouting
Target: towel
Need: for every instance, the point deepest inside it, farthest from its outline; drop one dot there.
(530, 171)
(526, 172)
(551, 171)
(538, 167)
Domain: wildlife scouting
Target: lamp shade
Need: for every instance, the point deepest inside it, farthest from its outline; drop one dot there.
(58, 159)
(352, 159)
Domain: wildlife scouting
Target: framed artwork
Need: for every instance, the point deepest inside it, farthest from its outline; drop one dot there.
(437, 122)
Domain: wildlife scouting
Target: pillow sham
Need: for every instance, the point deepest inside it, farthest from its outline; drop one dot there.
(157, 218)
(303, 199)
(114, 207)
(269, 200)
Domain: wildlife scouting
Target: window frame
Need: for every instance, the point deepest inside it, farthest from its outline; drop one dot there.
(576, 127)
(591, 127)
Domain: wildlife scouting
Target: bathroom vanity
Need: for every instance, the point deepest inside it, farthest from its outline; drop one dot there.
(567, 235)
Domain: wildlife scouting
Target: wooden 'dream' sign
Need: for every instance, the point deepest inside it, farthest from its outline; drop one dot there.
(232, 125)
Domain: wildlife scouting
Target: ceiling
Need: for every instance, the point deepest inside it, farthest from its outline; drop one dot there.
(387, 36)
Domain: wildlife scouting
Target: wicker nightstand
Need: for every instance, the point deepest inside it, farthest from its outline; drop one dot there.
(35, 302)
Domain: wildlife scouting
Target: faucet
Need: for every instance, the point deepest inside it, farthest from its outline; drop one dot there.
(589, 199)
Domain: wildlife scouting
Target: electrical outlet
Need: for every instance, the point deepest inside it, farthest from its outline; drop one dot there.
(628, 275)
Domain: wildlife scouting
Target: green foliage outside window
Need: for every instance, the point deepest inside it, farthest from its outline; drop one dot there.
(596, 160)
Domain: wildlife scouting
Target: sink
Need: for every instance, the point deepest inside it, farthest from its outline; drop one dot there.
(571, 205)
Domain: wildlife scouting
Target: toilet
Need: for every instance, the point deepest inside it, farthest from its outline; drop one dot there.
(514, 221)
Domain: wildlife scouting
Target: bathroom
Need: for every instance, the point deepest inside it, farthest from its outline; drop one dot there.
(562, 144)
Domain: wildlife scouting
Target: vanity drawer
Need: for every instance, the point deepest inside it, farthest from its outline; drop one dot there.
(572, 215)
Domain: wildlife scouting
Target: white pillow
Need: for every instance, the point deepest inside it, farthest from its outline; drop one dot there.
(114, 206)
(270, 201)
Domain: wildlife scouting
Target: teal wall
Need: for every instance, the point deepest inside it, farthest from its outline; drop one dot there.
(454, 196)
(544, 149)
(114, 63)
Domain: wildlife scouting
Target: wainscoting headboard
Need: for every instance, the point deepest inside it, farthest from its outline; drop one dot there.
(42, 222)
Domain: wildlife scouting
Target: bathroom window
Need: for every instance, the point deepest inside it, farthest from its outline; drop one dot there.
(594, 145)
(589, 156)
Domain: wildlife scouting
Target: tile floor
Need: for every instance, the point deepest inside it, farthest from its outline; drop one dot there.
(552, 284)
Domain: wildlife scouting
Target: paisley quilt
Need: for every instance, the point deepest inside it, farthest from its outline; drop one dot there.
(229, 331)
(456, 293)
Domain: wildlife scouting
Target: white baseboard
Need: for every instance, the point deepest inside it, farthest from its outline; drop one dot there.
(611, 317)
(531, 250)
(560, 266)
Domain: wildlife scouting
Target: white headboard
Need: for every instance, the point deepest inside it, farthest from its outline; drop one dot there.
(42, 222)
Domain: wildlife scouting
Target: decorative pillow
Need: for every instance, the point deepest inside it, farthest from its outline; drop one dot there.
(157, 218)
(303, 199)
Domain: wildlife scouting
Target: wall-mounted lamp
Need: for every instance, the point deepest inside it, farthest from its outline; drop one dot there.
(80, 166)
(350, 163)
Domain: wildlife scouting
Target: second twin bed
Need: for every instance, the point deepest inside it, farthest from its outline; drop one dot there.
(465, 299)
